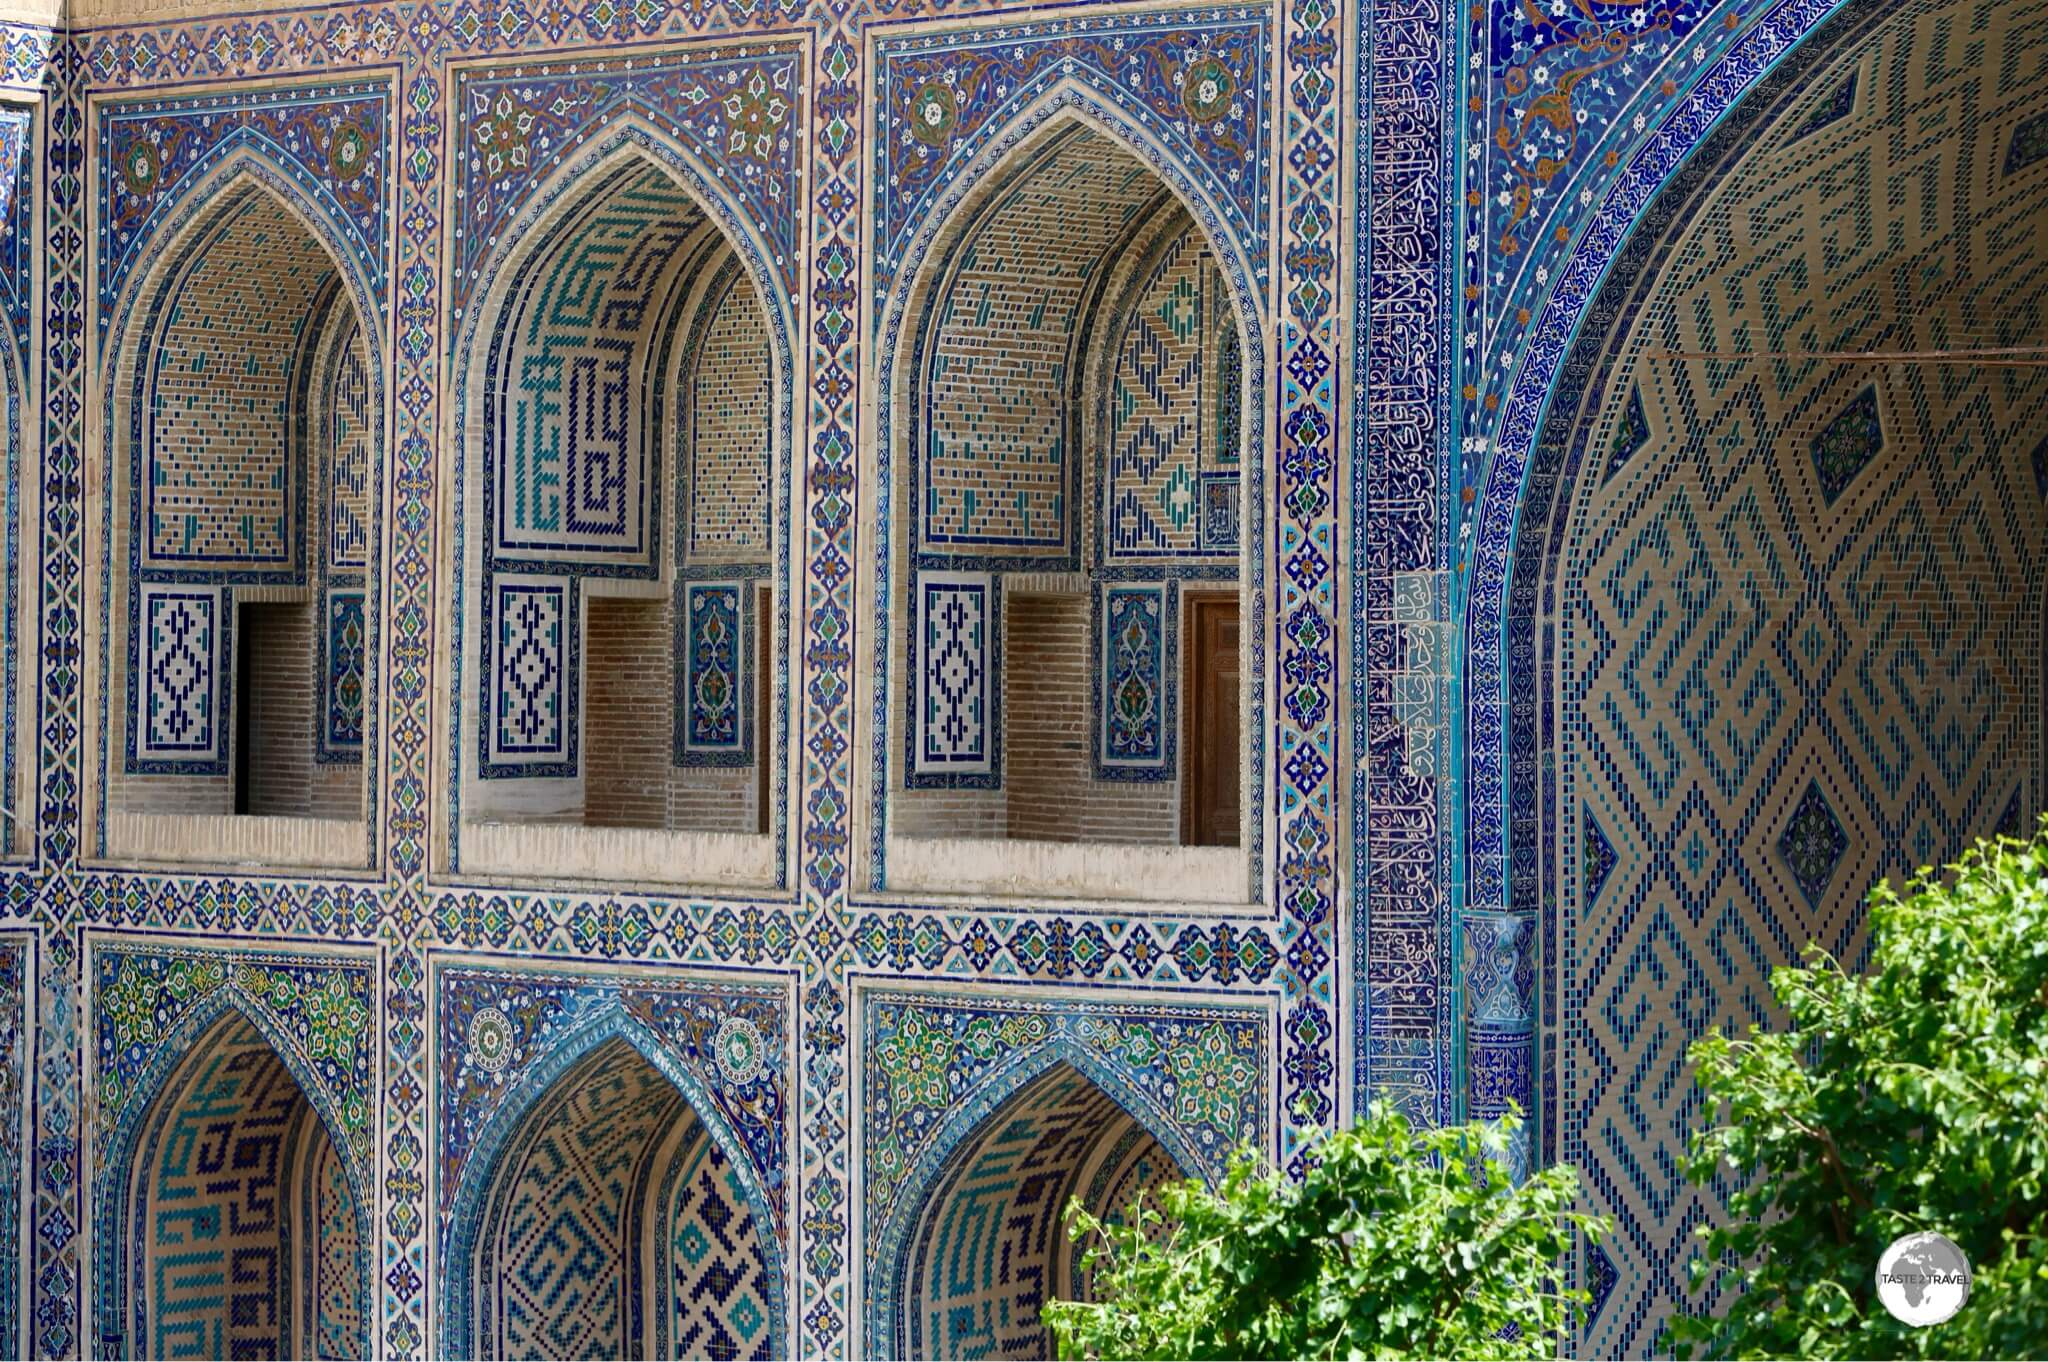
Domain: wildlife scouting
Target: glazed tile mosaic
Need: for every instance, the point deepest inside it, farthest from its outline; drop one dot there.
(436, 408)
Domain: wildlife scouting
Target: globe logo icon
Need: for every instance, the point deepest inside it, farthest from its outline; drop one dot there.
(1923, 1279)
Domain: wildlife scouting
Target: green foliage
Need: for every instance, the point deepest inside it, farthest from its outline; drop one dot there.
(1914, 1097)
(1399, 1243)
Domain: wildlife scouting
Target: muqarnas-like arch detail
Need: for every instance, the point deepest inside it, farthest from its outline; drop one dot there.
(627, 377)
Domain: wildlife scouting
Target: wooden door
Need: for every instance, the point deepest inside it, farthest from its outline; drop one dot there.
(1210, 789)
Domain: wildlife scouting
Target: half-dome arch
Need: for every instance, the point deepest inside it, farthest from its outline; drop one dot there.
(231, 1216)
(608, 1209)
(244, 420)
(1771, 631)
(624, 419)
(976, 1243)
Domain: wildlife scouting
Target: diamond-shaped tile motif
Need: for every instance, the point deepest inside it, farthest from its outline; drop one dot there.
(1813, 843)
(1847, 446)
(1596, 856)
(1630, 435)
(1832, 109)
(2029, 144)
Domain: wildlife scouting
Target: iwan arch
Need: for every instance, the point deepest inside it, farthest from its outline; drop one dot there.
(670, 668)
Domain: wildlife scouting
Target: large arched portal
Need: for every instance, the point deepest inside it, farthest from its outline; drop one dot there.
(1777, 607)
(1070, 553)
(237, 1233)
(987, 1246)
(613, 1225)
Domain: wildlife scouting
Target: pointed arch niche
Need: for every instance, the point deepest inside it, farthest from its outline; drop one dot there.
(985, 1246)
(234, 1229)
(1072, 646)
(245, 434)
(1772, 628)
(611, 1222)
(619, 694)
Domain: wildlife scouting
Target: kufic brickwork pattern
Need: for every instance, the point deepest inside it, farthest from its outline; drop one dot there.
(1799, 622)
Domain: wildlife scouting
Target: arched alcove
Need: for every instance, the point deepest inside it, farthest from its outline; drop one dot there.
(1072, 551)
(245, 432)
(611, 1223)
(621, 496)
(234, 1226)
(1774, 628)
(985, 1246)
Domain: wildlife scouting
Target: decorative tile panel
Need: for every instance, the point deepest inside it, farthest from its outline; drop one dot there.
(1198, 83)
(180, 686)
(571, 451)
(938, 1068)
(714, 699)
(957, 660)
(1848, 444)
(531, 727)
(1134, 687)
(332, 140)
(1167, 414)
(344, 680)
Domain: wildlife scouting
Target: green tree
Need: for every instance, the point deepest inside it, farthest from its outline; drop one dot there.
(1912, 1097)
(1398, 1243)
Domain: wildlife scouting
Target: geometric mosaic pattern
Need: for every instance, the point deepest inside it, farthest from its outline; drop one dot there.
(997, 449)
(611, 1165)
(182, 688)
(433, 202)
(571, 453)
(1167, 412)
(531, 721)
(350, 445)
(990, 1242)
(222, 486)
(1777, 680)
(231, 1159)
(940, 1067)
(1848, 445)
(957, 658)
(728, 442)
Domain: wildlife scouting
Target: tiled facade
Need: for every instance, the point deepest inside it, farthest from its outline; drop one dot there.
(521, 370)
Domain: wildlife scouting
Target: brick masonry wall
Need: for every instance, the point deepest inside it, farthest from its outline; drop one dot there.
(630, 780)
(1051, 793)
(284, 706)
(217, 433)
(626, 746)
(1000, 432)
(728, 422)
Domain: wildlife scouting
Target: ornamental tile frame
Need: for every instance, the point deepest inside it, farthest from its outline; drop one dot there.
(1360, 1002)
(175, 171)
(721, 121)
(153, 996)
